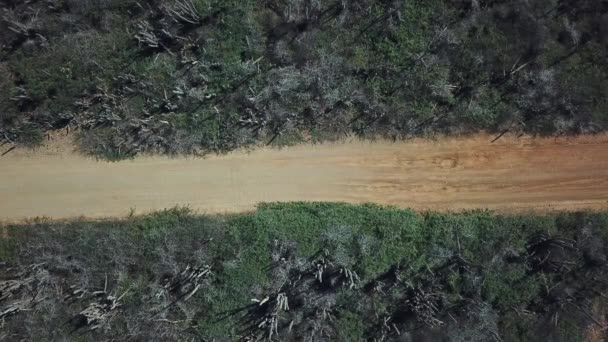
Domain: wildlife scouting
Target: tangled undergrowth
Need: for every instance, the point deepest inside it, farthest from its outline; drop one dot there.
(209, 76)
(307, 271)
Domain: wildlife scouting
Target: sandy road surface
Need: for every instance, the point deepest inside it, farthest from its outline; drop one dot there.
(448, 174)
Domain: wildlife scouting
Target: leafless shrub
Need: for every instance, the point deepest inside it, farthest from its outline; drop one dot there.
(145, 35)
(548, 253)
(264, 316)
(98, 313)
(423, 302)
(573, 32)
(21, 95)
(185, 284)
(480, 324)
(184, 12)
(23, 289)
(328, 271)
(26, 28)
(85, 6)
(301, 9)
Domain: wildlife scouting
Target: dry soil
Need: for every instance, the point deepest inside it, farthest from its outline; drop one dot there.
(511, 174)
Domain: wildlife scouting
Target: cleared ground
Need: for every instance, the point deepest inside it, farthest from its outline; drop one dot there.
(511, 174)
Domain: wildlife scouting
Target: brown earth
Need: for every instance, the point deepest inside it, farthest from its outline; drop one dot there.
(512, 174)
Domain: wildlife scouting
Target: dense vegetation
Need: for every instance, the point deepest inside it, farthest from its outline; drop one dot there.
(199, 76)
(313, 272)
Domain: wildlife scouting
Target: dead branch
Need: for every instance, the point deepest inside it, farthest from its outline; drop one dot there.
(184, 11)
(146, 36)
(99, 312)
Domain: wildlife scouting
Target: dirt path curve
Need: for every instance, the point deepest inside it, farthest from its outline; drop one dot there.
(448, 174)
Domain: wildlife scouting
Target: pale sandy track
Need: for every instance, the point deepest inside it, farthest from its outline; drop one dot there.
(448, 174)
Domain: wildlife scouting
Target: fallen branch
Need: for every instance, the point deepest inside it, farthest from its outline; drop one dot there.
(7, 151)
(184, 11)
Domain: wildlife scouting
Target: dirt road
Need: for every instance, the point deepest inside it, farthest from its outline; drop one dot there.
(448, 174)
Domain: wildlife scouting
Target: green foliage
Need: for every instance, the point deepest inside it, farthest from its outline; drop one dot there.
(103, 144)
(350, 327)
(410, 37)
(8, 247)
(518, 329)
(29, 135)
(569, 330)
(510, 287)
(71, 66)
(243, 73)
(133, 255)
(160, 68)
